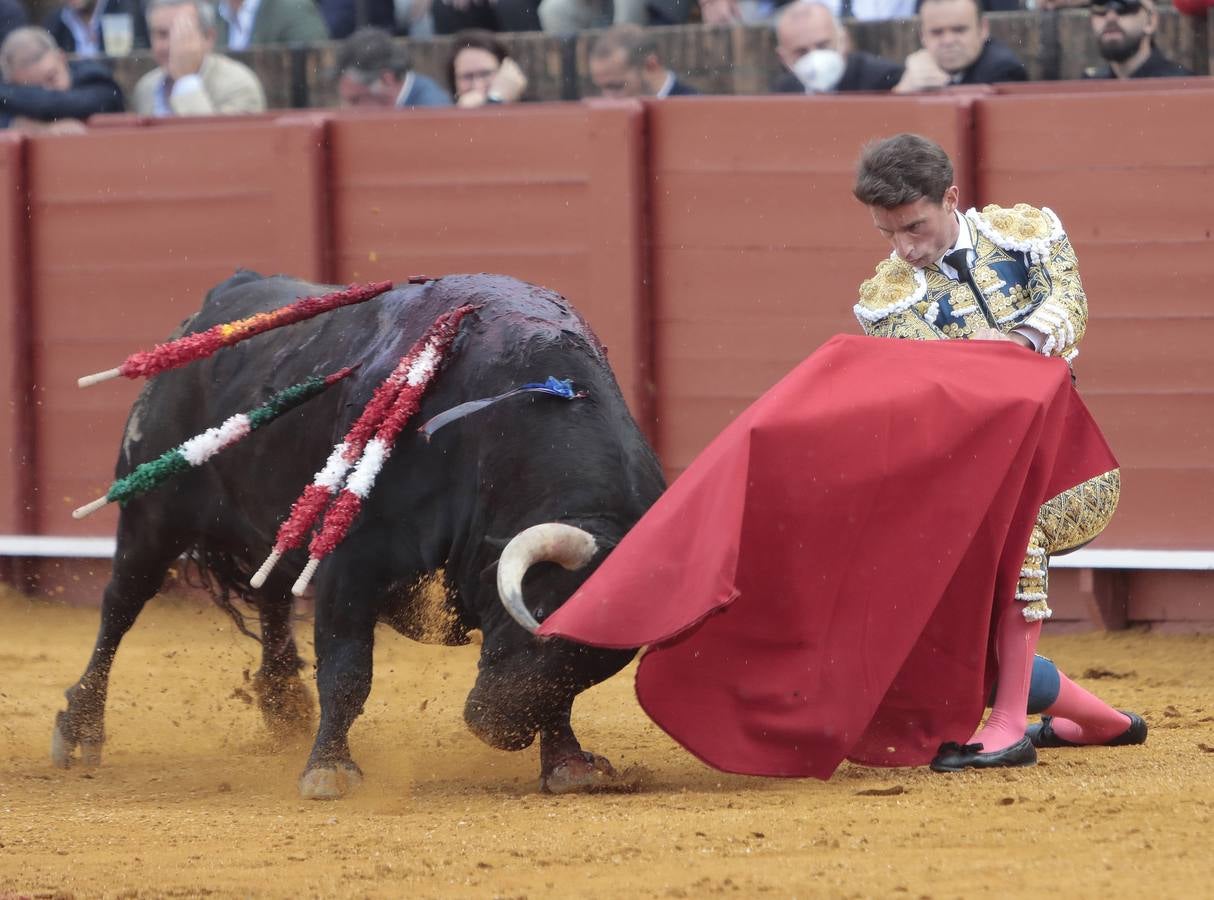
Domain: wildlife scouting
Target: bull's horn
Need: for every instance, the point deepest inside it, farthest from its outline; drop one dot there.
(548, 542)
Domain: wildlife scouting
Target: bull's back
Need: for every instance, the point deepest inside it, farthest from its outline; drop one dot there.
(374, 335)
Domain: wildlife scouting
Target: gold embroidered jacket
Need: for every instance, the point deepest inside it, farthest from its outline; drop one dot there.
(1025, 268)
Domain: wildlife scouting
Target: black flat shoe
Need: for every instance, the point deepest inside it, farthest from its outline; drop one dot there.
(1042, 734)
(953, 757)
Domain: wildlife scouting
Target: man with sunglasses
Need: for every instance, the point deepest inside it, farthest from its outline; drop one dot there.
(1124, 32)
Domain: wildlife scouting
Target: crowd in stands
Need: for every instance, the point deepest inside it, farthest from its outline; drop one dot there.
(55, 75)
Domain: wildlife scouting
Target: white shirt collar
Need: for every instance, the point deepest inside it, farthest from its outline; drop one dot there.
(87, 35)
(667, 85)
(404, 89)
(965, 241)
(240, 25)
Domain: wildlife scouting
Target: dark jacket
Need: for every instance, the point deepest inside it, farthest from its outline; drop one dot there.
(864, 72)
(1154, 66)
(341, 16)
(682, 89)
(995, 63)
(63, 36)
(93, 90)
(12, 15)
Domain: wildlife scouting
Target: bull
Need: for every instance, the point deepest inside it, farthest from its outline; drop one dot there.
(532, 492)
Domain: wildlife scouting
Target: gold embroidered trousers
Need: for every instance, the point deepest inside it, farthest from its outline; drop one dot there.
(1064, 523)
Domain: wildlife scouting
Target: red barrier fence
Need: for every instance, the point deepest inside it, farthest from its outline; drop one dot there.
(712, 243)
(1131, 178)
(123, 247)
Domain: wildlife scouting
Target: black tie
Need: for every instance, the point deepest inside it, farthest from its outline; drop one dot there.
(959, 260)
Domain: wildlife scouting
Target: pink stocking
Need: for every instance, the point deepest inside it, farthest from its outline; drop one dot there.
(1015, 642)
(1083, 718)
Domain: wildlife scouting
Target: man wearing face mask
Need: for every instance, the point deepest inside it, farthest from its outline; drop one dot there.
(815, 49)
(1124, 32)
(957, 49)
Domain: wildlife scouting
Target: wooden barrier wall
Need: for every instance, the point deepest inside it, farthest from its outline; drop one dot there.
(123, 249)
(443, 192)
(1131, 178)
(712, 242)
(758, 244)
(17, 477)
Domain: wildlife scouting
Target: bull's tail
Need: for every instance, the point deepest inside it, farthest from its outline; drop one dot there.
(225, 578)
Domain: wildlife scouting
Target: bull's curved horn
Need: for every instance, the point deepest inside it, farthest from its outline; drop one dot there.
(567, 545)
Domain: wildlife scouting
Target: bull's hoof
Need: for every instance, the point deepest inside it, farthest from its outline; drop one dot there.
(329, 782)
(583, 772)
(63, 751)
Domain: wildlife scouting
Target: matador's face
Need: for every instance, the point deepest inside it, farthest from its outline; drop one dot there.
(920, 232)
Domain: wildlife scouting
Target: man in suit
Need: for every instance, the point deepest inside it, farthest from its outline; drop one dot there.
(816, 51)
(76, 25)
(249, 23)
(41, 88)
(1125, 32)
(190, 79)
(374, 71)
(957, 49)
(624, 62)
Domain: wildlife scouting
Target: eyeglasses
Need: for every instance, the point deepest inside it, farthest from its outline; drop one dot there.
(1119, 8)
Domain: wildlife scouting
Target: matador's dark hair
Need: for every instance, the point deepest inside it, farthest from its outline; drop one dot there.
(900, 170)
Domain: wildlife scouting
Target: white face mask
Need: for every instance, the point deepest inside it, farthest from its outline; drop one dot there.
(819, 70)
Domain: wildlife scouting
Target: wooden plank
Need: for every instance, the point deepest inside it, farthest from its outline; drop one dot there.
(129, 250)
(443, 192)
(18, 476)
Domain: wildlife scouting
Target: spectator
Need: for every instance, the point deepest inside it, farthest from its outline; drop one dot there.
(728, 12)
(249, 23)
(41, 86)
(374, 71)
(572, 16)
(451, 16)
(624, 62)
(190, 79)
(342, 16)
(12, 17)
(480, 71)
(1124, 32)
(957, 49)
(76, 25)
(815, 49)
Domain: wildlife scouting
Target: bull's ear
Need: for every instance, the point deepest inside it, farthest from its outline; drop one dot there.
(489, 573)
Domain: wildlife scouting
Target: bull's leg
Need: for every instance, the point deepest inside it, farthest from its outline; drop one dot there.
(564, 765)
(345, 635)
(520, 695)
(286, 705)
(138, 573)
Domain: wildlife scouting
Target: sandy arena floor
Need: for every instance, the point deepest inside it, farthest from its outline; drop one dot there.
(192, 801)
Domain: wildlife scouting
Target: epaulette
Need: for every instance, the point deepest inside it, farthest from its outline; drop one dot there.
(895, 287)
(1022, 228)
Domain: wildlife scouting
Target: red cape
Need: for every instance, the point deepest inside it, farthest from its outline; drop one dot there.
(820, 583)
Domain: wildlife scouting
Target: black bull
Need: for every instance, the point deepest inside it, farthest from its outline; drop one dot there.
(446, 506)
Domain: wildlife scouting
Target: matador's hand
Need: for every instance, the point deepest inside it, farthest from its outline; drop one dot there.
(993, 334)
